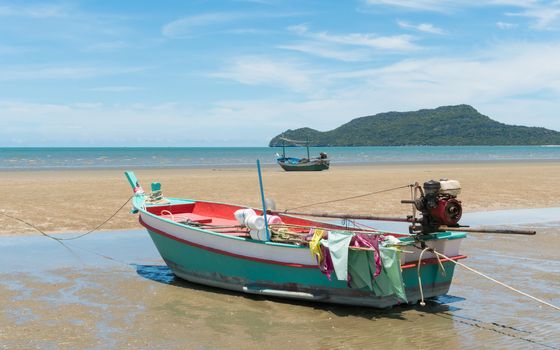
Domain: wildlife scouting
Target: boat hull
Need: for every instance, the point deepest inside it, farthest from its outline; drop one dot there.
(314, 165)
(233, 267)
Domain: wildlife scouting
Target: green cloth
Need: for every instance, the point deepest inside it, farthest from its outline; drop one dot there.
(361, 266)
(338, 246)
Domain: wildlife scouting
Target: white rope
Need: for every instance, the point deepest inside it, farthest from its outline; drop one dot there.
(70, 238)
(422, 303)
(440, 267)
(495, 281)
(168, 213)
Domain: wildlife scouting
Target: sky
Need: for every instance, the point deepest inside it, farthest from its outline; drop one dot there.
(239, 72)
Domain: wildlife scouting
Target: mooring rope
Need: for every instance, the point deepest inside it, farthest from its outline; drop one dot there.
(494, 280)
(347, 198)
(422, 303)
(70, 238)
(442, 270)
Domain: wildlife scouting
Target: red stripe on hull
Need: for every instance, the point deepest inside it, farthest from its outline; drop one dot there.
(431, 261)
(223, 252)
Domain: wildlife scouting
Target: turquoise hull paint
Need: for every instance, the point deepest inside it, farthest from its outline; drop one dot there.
(234, 273)
(292, 164)
(311, 167)
(204, 262)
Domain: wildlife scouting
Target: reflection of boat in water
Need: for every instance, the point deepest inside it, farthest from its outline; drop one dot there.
(302, 164)
(269, 253)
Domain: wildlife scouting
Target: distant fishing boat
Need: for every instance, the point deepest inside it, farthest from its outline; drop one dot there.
(269, 253)
(302, 164)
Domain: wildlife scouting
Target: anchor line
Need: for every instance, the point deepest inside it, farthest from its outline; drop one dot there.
(495, 280)
(70, 238)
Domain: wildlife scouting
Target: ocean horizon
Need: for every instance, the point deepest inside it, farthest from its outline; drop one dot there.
(30, 158)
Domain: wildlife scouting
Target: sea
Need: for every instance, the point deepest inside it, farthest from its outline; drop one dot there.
(201, 157)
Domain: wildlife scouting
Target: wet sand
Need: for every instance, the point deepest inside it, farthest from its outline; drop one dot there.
(63, 201)
(112, 291)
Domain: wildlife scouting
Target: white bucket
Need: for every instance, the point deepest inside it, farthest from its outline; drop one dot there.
(259, 235)
(242, 214)
(255, 222)
(257, 226)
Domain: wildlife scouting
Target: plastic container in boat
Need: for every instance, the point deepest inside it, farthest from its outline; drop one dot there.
(255, 222)
(242, 214)
(273, 219)
(257, 226)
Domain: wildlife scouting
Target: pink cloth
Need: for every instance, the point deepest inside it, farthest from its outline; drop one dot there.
(369, 241)
(273, 219)
(326, 266)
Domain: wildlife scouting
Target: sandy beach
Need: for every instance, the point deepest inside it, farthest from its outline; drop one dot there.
(79, 200)
(111, 290)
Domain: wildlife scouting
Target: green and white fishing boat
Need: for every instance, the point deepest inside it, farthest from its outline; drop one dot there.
(236, 248)
(319, 163)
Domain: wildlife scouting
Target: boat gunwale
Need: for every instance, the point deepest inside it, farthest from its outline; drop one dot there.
(222, 235)
(447, 235)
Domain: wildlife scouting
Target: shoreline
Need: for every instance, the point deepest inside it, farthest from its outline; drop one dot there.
(275, 165)
(59, 201)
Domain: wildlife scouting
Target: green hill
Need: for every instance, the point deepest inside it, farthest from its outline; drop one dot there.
(443, 126)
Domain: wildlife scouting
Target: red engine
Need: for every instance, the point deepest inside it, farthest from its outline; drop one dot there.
(439, 204)
(447, 212)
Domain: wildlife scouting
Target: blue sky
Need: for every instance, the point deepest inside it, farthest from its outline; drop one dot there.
(238, 72)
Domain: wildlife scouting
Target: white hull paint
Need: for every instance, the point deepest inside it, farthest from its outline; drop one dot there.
(281, 253)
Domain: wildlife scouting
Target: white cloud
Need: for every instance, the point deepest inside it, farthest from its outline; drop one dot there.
(62, 72)
(544, 16)
(350, 47)
(328, 51)
(33, 11)
(512, 83)
(509, 71)
(422, 27)
(391, 43)
(506, 25)
(423, 5)
(85, 124)
(262, 71)
(453, 5)
(184, 26)
(545, 13)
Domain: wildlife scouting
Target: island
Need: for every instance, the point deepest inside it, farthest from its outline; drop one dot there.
(443, 126)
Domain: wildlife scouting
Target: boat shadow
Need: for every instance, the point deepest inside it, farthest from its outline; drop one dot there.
(163, 274)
